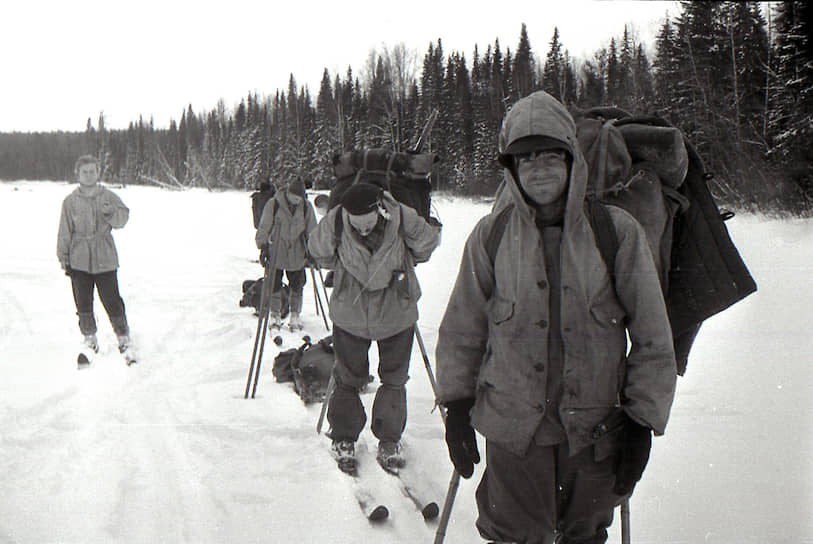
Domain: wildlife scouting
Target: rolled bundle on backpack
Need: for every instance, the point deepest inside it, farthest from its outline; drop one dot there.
(660, 148)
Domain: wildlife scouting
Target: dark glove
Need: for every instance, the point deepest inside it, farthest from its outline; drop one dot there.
(309, 262)
(460, 438)
(264, 256)
(636, 441)
(68, 270)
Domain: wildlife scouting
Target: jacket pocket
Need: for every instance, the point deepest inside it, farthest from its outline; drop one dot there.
(608, 315)
(608, 435)
(499, 310)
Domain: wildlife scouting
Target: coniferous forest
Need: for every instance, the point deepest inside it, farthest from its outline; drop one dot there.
(737, 80)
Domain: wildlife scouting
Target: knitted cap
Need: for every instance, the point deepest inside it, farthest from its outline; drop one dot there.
(297, 188)
(361, 198)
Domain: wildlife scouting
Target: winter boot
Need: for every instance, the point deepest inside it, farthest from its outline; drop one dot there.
(126, 348)
(344, 452)
(389, 456)
(275, 321)
(88, 349)
(90, 343)
(294, 323)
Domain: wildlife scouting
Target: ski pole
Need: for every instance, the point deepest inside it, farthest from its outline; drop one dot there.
(454, 483)
(319, 300)
(440, 534)
(324, 289)
(331, 385)
(262, 322)
(625, 521)
(315, 293)
(428, 366)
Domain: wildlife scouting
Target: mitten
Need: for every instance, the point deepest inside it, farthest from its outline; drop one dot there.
(636, 441)
(460, 437)
(264, 256)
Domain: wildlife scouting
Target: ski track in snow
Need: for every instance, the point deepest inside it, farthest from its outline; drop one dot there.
(169, 451)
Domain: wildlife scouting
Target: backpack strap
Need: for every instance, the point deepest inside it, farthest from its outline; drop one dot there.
(496, 233)
(600, 221)
(604, 232)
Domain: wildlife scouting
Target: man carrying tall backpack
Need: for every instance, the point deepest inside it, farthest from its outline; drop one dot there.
(371, 241)
(532, 349)
(286, 220)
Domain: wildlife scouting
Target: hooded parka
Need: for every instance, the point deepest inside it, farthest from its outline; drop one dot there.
(368, 300)
(288, 229)
(84, 240)
(493, 341)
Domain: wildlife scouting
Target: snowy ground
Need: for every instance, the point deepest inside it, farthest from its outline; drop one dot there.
(169, 451)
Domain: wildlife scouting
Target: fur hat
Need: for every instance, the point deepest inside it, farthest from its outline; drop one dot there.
(361, 198)
(297, 188)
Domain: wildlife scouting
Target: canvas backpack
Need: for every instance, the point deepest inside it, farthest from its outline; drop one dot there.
(404, 175)
(647, 167)
(311, 370)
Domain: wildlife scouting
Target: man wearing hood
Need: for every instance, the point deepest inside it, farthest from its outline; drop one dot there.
(532, 349)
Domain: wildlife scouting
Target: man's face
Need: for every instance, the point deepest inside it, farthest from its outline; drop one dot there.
(364, 223)
(88, 174)
(543, 174)
(292, 198)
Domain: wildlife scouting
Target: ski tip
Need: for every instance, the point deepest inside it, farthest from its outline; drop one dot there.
(82, 361)
(430, 511)
(379, 513)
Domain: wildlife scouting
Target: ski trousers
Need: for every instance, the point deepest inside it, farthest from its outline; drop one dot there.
(296, 282)
(345, 412)
(546, 494)
(107, 284)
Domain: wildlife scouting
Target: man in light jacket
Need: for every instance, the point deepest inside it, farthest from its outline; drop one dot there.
(372, 242)
(286, 220)
(532, 349)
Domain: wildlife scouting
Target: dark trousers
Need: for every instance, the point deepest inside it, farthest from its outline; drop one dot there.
(296, 281)
(531, 498)
(107, 284)
(345, 412)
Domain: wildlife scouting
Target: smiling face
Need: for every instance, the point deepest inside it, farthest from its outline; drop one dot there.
(88, 174)
(364, 223)
(542, 174)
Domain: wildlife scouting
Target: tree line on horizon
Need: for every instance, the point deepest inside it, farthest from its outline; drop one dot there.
(738, 84)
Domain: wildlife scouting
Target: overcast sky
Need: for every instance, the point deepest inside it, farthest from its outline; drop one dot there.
(64, 61)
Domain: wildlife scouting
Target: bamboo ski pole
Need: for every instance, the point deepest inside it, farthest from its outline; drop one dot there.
(319, 300)
(315, 294)
(262, 321)
(331, 385)
(324, 289)
(454, 482)
(625, 521)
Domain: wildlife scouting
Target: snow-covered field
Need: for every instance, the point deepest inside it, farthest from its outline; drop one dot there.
(169, 451)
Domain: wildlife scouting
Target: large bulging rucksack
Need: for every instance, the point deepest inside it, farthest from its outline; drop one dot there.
(258, 201)
(404, 175)
(308, 367)
(647, 167)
